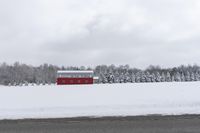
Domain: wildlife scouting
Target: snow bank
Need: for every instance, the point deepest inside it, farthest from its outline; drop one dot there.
(99, 100)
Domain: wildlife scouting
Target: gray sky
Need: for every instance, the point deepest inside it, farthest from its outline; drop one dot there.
(92, 32)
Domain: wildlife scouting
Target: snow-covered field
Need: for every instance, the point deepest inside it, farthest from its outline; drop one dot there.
(99, 100)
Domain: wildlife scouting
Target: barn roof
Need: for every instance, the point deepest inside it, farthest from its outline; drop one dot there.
(75, 71)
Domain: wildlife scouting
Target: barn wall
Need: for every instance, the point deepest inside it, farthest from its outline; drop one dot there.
(63, 81)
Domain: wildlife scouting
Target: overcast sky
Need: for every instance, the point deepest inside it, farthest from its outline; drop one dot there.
(92, 32)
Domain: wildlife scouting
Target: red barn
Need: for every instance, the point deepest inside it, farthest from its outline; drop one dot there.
(74, 77)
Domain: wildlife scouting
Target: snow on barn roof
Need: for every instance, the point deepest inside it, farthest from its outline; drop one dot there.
(75, 71)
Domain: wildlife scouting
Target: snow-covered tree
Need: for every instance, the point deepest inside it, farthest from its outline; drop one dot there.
(148, 77)
(127, 77)
(187, 76)
(182, 77)
(142, 77)
(116, 77)
(137, 77)
(177, 77)
(153, 77)
(168, 77)
(121, 78)
(158, 77)
(192, 77)
(110, 78)
(163, 77)
(133, 78)
(196, 76)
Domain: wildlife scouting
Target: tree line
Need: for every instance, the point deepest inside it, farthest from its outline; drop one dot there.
(18, 74)
(125, 74)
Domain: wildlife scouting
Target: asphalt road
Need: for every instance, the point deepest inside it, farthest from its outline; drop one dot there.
(140, 124)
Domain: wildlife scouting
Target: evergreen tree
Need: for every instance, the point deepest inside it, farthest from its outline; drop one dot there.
(182, 77)
(137, 77)
(153, 77)
(142, 77)
(133, 78)
(148, 77)
(110, 78)
(163, 77)
(177, 77)
(172, 78)
(127, 77)
(158, 77)
(192, 77)
(168, 77)
(187, 76)
(196, 76)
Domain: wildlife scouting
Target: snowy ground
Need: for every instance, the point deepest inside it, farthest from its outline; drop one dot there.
(99, 100)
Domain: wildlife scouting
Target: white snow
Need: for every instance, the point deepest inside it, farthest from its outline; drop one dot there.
(78, 71)
(99, 100)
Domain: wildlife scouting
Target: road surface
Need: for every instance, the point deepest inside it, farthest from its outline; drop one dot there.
(139, 124)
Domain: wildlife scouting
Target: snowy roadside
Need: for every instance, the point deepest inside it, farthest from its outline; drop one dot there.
(99, 100)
